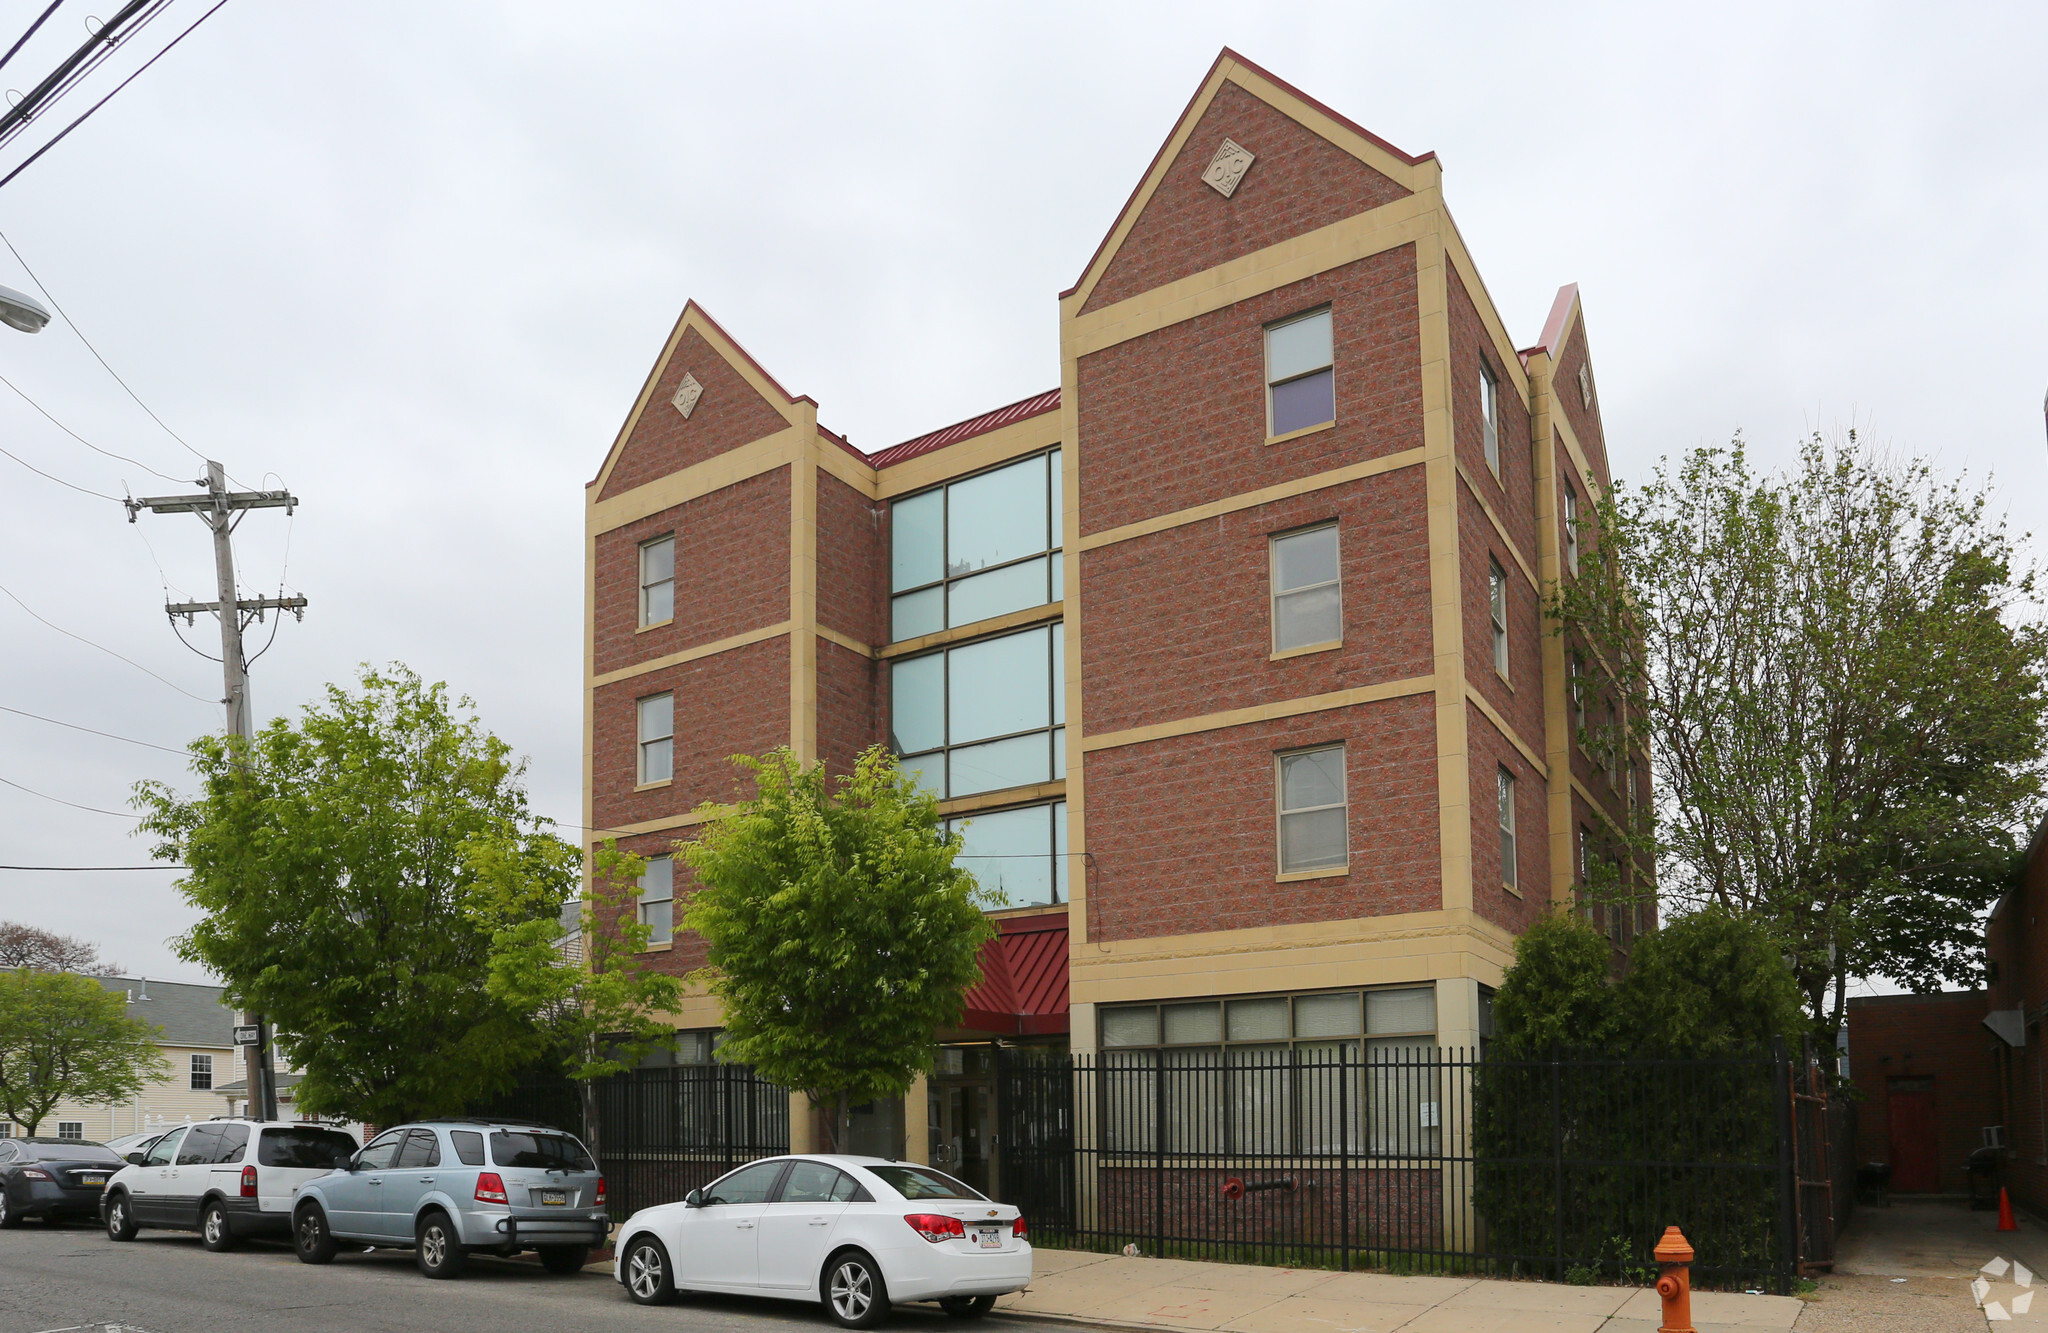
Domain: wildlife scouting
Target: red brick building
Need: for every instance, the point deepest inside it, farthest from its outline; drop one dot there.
(1229, 648)
(1925, 1066)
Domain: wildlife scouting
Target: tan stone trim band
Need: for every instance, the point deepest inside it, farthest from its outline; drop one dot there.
(1154, 967)
(1251, 499)
(711, 649)
(699, 479)
(1486, 505)
(599, 835)
(847, 642)
(1238, 717)
(1030, 615)
(995, 800)
(1500, 724)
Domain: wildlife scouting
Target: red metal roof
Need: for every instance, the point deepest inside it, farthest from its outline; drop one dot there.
(1036, 405)
(1023, 986)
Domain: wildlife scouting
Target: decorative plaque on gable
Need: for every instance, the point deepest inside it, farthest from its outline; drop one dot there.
(1227, 168)
(1585, 385)
(687, 394)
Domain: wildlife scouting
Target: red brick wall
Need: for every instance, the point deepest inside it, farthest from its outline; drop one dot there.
(1183, 830)
(853, 573)
(1513, 493)
(734, 702)
(1179, 623)
(849, 704)
(1938, 1036)
(1178, 417)
(688, 951)
(1585, 421)
(729, 415)
(2016, 945)
(1519, 698)
(1491, 751)
(1298, 181)
(732, 571)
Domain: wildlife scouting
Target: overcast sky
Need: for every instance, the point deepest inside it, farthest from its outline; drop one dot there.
(415, 260)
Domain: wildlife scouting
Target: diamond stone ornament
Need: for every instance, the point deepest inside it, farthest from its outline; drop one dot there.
(1585, 386)
(687, 394)
(1227, 168)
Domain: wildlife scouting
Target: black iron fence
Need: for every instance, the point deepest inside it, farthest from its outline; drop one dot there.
(1411, 1158)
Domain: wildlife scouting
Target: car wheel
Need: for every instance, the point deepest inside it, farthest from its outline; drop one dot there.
(311, 1239)
(967, 1307)
(8, 1217)
(214, 1230)
(564, 1258)
(853, 1290)
(649, 1279)
(439, 1251)
(120, 1221)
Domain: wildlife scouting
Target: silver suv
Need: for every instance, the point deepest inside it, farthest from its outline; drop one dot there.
(446, 1187)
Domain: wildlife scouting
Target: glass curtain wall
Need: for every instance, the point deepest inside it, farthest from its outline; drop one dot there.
(1020, 854)
(983, 716)
(975, 548)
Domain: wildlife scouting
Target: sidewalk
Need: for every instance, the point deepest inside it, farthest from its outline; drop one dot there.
(1238, 1298)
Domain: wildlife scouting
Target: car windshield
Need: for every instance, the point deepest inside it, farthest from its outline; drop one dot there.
(525, 1147)
(73, 1152)
(917, 1182)
(307, 1149)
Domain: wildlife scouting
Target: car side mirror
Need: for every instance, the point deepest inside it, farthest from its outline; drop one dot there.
(354, 1164)
(136, 1158)
(694, 1199)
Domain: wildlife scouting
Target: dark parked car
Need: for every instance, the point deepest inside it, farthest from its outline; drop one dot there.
(54, 1179)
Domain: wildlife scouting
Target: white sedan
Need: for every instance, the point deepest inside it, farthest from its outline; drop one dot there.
(853, 1233)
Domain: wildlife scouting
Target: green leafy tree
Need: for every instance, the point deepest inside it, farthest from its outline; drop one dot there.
(355, 871)
(601, 1011)
(68, 1038)
(1559, 993)
(842, 935)
(1838, 673)
(1712, 983)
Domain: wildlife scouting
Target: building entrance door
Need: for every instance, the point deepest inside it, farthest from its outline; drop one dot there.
(1916, 1168)
(962, 1115)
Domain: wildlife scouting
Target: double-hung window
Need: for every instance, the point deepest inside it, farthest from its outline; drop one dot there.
(658, 580)
(1571, 527)
(975, 548)
(985, 715)
(1314, 814)
(1308, 598)
(202, 1073)
(71, 1129)
(658, 899)
(1301, 386)
(657, 717)
(1497, 612)
(1489, 415)
(1506, 781)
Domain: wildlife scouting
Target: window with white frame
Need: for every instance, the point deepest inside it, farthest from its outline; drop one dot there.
(202, 1073)
(1497, 611)
(1575, 686)
(1314, 812)
(1308, 595)
(978, 547)
(1571, 527)
(6, 1129)
(658, 899)
(1489, 415)
(70, 1129)
(658, 580)
(1274, 1074)
(983, 716)
(657, 720)
(1301, 385)
(1508, 864)
(1019, 854)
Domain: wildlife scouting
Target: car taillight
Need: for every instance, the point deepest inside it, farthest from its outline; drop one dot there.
(1017, 1228)
(249, 1182)
(936, 1227)
(490, 1188)
(35, 1173)
(600, 1192)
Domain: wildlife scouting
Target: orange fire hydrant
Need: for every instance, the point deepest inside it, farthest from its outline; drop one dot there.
(1674, 1284)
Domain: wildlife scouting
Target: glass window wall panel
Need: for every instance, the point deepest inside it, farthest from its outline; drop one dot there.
(997, 517)
(1011, 853)
(1130, 1092)
(1011, 588)
(1328, 1094)
(1192, 1081)
(917, 613)
(1326, 1016)
(917, 541)
(1138, 1026)
(1410, 1011)
(1020, 761)
(1059, 841)
(1192, 1024)
(917, 703)
(1262, 1101)
(1403, 1095)
(1259, 1020)
(999, 686)
(928, 770)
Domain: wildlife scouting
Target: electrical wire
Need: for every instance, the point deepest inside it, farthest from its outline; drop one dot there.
(22, 40)
(118, 814)
(80, 438)
(108, 651)
(79, 65)
(155, 867)
(22, 712)
(161, 572)
(47, 476)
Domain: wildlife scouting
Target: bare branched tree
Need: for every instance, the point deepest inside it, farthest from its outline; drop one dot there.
(46, 951)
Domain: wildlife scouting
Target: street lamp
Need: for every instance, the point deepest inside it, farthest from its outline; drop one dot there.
(18, 310)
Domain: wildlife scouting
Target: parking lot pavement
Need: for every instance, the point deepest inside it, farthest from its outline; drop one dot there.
(74, 1278)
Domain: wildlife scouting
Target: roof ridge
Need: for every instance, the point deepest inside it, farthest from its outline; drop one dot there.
(1036, 405)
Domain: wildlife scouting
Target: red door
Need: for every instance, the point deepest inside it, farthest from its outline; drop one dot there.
(1916, 1168)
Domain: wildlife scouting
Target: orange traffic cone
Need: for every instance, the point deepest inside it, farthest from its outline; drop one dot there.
(2005, 1217)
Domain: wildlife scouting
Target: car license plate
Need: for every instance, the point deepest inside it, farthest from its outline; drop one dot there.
(92, 1180)
(555, 1198)
(991, 1238)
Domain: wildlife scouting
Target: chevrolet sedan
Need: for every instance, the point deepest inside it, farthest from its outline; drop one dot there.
(855, 1234)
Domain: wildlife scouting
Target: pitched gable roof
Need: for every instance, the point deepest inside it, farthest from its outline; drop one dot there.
(190, 1015)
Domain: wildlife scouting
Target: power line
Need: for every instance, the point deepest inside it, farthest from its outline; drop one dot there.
(77, 868)
(108, 651)
(50, 476)
(118, 814)
(22, 40)
(80, 438)
(21, 712)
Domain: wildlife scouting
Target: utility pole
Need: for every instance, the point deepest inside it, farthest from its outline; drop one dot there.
(219, 508)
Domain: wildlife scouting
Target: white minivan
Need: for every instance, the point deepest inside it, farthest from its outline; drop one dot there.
(225, 1178)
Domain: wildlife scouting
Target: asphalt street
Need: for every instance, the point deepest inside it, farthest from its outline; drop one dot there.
(74, 1278)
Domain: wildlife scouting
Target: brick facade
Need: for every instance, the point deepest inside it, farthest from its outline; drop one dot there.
(1931, 1045)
